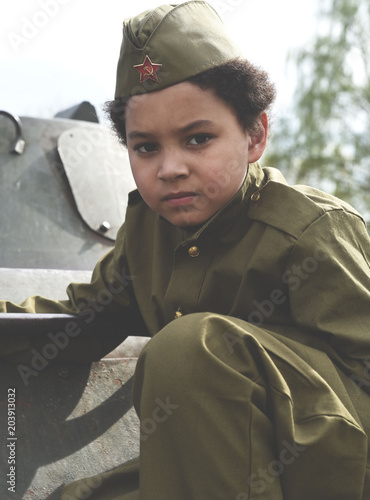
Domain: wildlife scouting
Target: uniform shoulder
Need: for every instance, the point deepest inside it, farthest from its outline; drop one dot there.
(134, 197)
(139, 215)
(292, 208)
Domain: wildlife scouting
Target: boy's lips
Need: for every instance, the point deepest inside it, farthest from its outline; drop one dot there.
(180, 198)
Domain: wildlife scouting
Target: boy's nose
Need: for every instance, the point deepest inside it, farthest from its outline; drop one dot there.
(172, 166)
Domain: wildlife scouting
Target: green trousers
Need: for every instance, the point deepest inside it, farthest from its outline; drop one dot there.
(230, 411)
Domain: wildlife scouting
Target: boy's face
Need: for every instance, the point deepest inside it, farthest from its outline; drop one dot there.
(188, 153)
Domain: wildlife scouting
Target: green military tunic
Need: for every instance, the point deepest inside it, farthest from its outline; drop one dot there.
(281, 269)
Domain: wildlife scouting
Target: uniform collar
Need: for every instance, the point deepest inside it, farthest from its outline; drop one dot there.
(224, 220)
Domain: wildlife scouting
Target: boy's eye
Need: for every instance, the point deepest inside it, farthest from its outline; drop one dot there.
(146, 148)
(199, 139)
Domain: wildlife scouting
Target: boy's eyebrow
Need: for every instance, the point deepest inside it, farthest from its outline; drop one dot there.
(196, 124)
(134, 134)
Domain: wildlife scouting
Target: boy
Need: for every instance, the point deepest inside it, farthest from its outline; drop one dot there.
(256, 293)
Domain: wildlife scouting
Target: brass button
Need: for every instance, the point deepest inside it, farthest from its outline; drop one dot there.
(193, 251)
(256, 196)
(177, 314)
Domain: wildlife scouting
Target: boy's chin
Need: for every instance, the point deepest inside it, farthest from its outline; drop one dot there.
(186, 221)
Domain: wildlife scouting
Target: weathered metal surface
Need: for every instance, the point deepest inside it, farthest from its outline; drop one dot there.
(18, 284)
(84, 111)
(101, 187)
(40, 225)
(72, 421)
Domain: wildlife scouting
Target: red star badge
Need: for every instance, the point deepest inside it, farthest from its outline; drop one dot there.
(148, 70)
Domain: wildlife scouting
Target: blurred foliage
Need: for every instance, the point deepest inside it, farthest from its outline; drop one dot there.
(324, 139)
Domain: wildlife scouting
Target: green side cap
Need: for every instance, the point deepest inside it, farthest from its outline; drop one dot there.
(168, 45)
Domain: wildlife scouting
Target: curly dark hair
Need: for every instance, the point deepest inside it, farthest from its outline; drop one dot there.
(246, 88)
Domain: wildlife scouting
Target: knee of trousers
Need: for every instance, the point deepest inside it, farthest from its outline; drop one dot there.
(196, 348)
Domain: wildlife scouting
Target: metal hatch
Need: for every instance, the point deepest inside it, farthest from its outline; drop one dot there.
(98, 170)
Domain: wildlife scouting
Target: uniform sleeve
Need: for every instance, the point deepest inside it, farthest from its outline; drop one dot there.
(109, 294)
(328, 276)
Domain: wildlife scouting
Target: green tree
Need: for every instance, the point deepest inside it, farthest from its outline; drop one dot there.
(324, 139)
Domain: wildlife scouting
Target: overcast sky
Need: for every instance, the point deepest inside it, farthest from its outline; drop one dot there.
(57, 53)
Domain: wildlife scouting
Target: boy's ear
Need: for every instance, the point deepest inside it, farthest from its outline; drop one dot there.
(258, 138)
